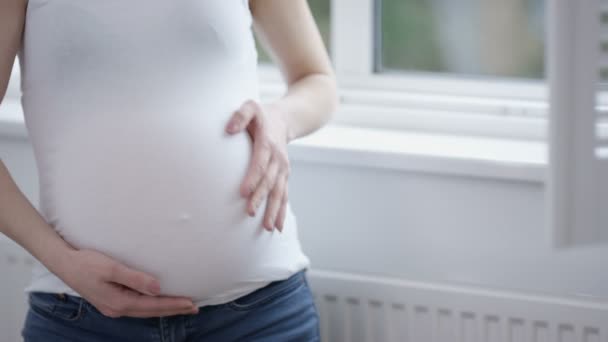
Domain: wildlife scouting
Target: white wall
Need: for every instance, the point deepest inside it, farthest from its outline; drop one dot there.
(417, 226)
(437, 228)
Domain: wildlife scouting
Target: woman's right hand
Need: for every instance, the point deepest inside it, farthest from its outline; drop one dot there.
(113, 288)
(117, 290)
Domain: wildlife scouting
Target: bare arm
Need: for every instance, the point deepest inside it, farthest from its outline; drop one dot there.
(18, 218)
(12, 14)
(288, 30)
(93, 275)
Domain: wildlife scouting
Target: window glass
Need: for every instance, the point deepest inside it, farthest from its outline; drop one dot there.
(503, 38)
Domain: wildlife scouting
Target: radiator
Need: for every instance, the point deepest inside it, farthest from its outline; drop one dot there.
(376, 309)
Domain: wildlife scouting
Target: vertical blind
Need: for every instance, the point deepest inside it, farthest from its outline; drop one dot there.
(578, 152)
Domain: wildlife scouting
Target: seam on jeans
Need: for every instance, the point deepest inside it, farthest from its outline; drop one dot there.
(79, 313)
(91, 308)
(293, 285)
(40, 312)
(34, 301)
(81, 309)
(47, 310)
(164, 329)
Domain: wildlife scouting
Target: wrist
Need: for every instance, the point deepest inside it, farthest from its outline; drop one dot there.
(281, 110)
(58, 258)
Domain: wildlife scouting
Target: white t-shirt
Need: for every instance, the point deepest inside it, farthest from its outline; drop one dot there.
(126, 103)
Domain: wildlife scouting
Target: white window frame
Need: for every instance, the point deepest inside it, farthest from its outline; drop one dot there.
(432, 102)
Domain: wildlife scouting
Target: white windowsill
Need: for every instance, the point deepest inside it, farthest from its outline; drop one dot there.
(337, 144)
(423, 152)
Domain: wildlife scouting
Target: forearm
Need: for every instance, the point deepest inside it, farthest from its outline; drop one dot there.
(308, 104)
(22, 223)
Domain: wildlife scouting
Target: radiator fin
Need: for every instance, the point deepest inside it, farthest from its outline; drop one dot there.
(380, 310)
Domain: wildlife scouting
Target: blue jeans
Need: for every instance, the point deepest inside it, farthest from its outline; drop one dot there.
(282, 311)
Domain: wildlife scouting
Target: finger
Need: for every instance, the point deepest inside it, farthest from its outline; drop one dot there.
(283, 211)
(263, 187)
(126, 300)
(109, 312)
(242, 116)
(136, 280)
(143, 303)
(275, 202)
(122, 300)
(260, 161)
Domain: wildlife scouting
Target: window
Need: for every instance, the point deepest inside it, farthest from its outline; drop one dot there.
(472, 67)
(467, 37)
(401, 64)
(321, 11)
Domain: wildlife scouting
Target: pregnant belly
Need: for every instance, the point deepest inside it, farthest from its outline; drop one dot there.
(161, 194)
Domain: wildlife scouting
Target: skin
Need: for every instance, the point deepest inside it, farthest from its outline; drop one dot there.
(297, 48)
(287, 29)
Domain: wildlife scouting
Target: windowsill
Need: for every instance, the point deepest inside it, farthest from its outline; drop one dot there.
(344, 145)
(423, 152)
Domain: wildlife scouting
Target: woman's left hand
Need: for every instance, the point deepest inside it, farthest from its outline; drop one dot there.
(269, 168)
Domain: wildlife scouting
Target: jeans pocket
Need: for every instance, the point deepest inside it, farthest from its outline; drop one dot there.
(53, 305)
(268, 293)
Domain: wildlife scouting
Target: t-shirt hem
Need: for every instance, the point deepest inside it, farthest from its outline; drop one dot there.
(61, 287)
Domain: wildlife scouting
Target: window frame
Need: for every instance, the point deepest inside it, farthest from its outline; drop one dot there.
(485, 106)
